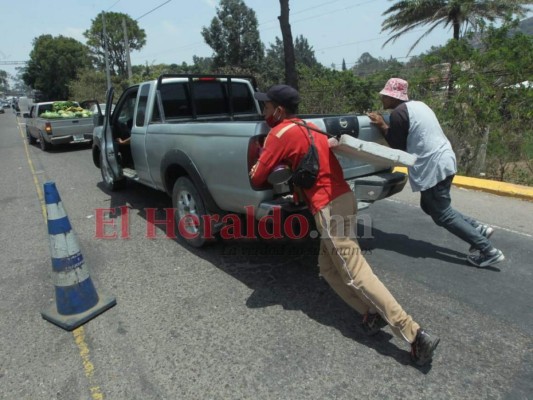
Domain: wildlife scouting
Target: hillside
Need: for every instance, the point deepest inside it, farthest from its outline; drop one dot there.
(525, 26)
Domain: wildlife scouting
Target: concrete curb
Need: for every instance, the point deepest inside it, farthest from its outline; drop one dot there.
(486, 185)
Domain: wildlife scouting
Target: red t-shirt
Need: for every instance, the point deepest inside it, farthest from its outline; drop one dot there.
(287, 143)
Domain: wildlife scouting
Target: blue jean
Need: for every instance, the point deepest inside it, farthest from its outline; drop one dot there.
(436, 202)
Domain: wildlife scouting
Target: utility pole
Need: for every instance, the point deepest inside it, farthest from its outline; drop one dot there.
(106, 55)
(127, 45)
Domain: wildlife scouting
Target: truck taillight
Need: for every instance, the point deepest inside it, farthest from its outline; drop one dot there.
(48, 128)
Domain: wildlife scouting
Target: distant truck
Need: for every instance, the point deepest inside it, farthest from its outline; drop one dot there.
(196, 137)
(58, 122)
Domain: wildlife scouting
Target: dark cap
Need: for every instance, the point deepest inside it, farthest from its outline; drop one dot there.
(284, 95)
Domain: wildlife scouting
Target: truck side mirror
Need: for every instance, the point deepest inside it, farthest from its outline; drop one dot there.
(26, 115)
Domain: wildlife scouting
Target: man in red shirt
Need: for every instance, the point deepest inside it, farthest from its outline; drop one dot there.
(333, 205)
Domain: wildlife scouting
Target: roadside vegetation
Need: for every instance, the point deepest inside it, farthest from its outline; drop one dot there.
(478, 83)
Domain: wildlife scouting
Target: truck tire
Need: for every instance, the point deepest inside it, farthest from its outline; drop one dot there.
(188, 202)
(45, 146)
(31, 139)
(107, 177)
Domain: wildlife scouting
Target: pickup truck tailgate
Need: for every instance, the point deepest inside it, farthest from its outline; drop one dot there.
(72, 127)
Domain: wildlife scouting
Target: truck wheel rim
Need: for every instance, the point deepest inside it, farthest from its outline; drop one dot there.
(187, 208)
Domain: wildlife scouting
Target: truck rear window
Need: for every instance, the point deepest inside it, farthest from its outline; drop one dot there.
(210, 98)
(45, 107)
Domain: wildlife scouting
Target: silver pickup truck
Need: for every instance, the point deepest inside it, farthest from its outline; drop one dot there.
(195, 137)
(50, 132)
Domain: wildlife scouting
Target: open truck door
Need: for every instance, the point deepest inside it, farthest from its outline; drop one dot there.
(109, 166)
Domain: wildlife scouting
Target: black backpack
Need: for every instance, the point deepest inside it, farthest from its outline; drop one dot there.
(306, 172)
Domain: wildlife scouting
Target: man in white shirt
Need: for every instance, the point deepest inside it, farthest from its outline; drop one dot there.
(413, 127)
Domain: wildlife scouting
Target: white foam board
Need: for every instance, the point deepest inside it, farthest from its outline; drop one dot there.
(370, 152)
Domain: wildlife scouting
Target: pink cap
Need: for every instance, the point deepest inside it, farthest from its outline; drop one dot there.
(396, 88)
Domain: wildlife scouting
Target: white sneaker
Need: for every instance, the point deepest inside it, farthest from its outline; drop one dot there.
(486, 231)
(482, 260)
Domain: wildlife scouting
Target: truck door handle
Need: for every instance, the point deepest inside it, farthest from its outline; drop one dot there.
(75, 121)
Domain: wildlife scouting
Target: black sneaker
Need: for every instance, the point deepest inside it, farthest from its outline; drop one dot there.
(372, 323)
(423, 347)
(486, 231)
(484, 259)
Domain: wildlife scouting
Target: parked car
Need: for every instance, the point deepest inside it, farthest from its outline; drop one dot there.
(100, 108)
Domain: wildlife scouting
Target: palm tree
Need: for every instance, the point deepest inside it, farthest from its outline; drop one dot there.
(407, 15)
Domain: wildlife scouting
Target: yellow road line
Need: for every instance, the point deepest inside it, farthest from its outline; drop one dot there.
(78, 333)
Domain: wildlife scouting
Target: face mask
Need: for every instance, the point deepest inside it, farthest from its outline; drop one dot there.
(272, 120)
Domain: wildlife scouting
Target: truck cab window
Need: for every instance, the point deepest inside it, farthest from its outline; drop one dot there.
(141, 106)
(175, 99)
(45, 107)
(243, 102)
(210, 98)
(124, 120)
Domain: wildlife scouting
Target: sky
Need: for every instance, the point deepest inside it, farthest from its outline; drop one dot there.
(335, 29)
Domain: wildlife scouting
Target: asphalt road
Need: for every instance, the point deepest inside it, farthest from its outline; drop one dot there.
(252, 320)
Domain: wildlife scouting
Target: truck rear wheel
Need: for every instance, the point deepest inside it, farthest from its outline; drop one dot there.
(190, 214)
(45, 146)
(107, 176)
(31, 139)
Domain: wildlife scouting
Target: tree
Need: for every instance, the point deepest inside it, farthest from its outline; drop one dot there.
(18, 85)
(54, 62)
(89, 85)
(304, 52)
(326, 91)
(4, 83)
(488, 119)
(115, 41)
(407, 15)
(291, 77)
(234, 37)
(274, 63)
(202, 65)
(369, 65)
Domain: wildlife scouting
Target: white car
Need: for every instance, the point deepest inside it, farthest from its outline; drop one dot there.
(94, 108)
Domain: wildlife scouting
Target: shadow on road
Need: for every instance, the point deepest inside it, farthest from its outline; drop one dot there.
(415, 248)
(66, 147)
(284, 272)
(403, 244)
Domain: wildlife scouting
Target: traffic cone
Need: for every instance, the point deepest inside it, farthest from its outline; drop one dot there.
(76, 299)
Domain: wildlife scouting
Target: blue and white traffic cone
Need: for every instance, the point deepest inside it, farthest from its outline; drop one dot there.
(76, 299)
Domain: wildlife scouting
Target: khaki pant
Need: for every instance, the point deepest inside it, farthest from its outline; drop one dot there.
(343, 266)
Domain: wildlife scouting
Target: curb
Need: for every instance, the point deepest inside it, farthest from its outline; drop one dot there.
(489, 186)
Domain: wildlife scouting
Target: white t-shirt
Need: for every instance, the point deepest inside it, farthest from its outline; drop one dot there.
(414, 128)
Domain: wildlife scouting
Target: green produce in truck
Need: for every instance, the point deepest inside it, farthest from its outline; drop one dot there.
(59, 122)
